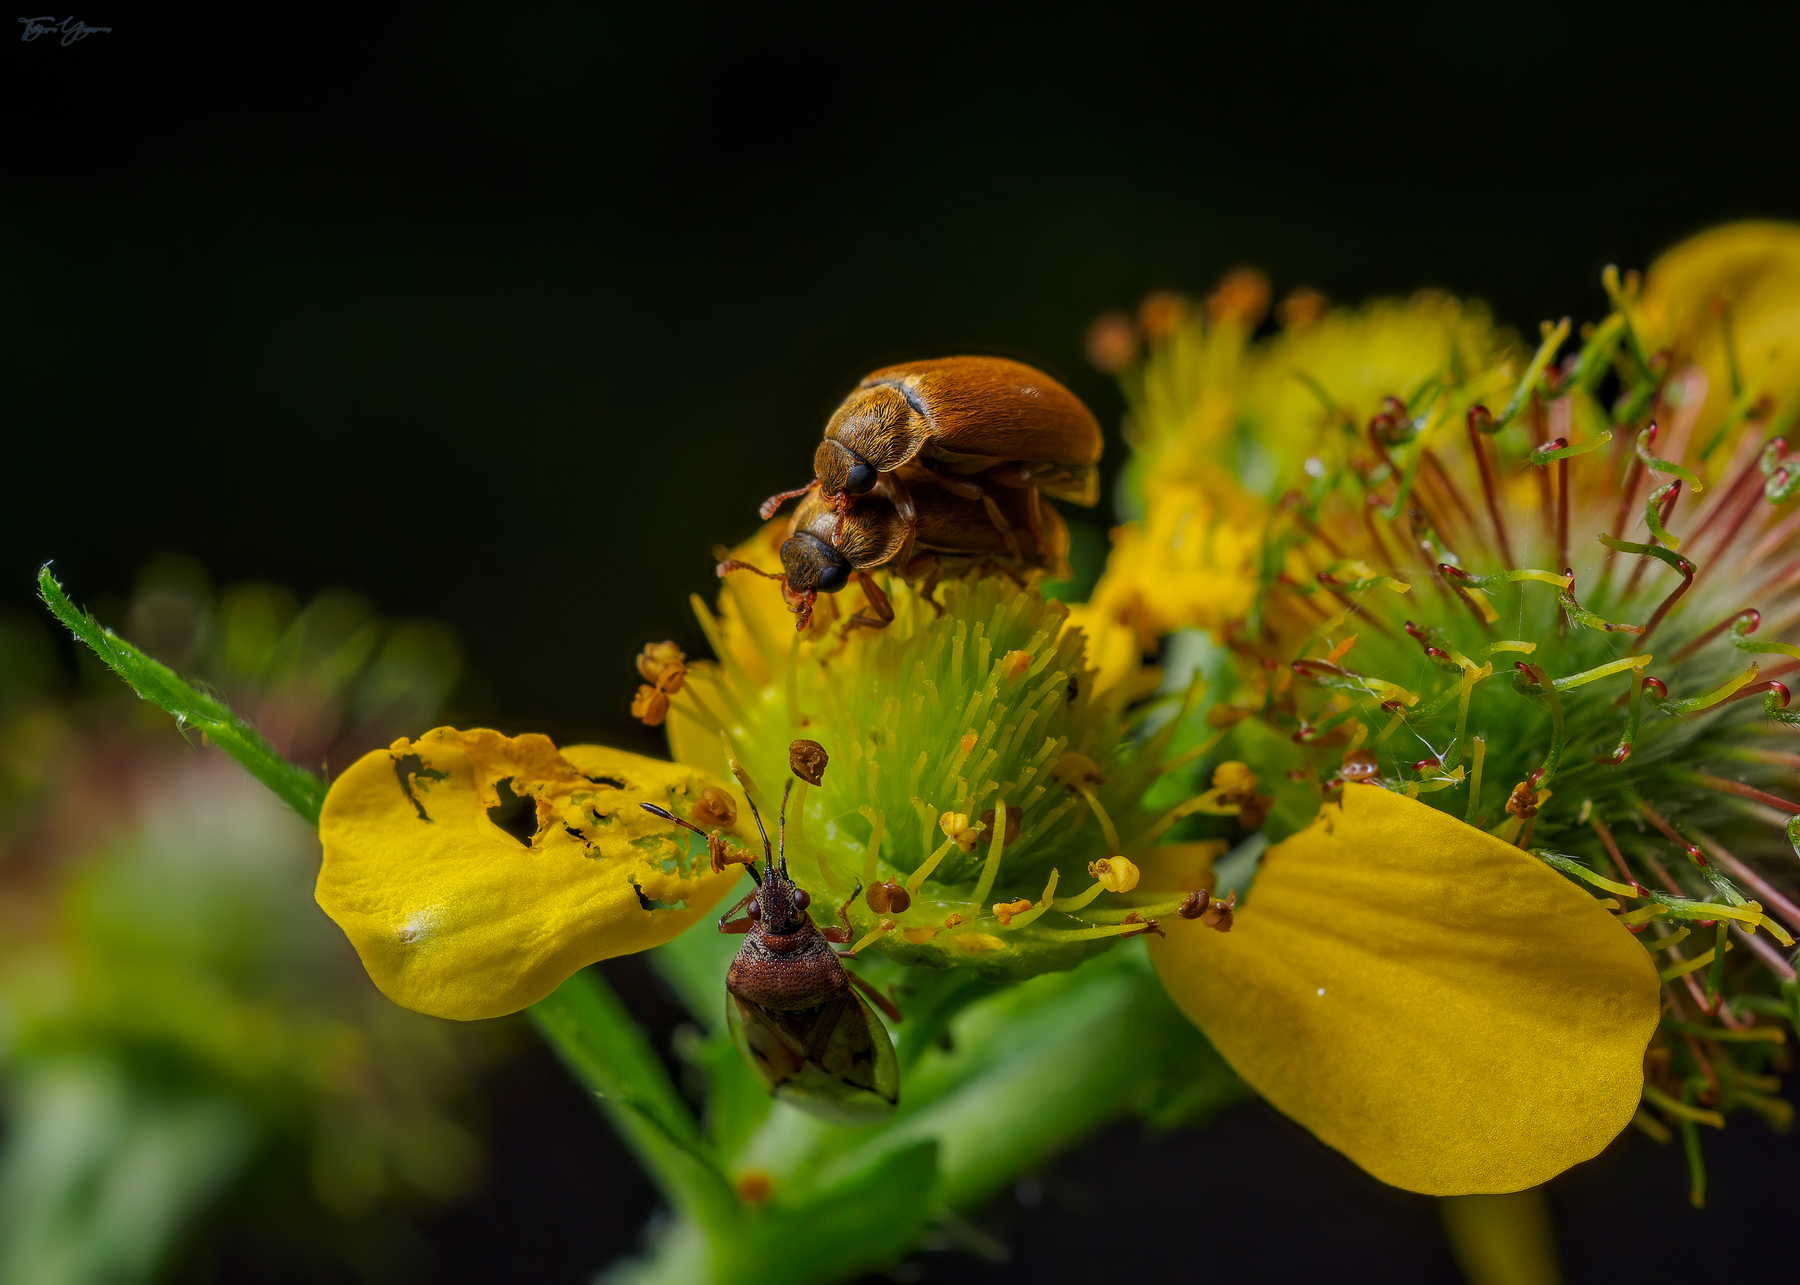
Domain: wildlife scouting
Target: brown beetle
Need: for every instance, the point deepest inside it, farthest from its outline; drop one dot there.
(941, 529)
(795, 1013)
(979, 423)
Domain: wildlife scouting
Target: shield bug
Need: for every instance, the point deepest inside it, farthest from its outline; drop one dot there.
(940, 528)
(800, 1019)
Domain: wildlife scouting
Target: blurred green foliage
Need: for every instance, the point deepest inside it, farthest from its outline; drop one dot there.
(181, 1029)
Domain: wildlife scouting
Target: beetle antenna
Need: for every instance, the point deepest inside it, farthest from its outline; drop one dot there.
(774, 502)
(732, 564)
(768, 857)
(786, 790)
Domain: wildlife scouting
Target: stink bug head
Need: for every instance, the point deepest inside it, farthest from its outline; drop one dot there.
(780, 906)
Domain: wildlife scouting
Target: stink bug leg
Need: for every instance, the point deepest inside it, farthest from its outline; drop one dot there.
(846, 933)
(882, 1002)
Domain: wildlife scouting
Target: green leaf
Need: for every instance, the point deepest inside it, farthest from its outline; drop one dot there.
(587, 1025)
(162, 687)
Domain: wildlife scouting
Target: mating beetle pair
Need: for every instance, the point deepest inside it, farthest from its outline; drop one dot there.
(934, 462)
(796, 1014)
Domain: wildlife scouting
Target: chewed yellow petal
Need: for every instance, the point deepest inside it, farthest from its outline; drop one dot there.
(474, 872)
(1445, 1010)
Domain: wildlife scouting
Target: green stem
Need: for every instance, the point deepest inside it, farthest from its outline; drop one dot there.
(162, 687)
(1502, 1240)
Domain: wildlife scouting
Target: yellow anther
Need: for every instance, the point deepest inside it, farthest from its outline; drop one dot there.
(956, 827)
(663, 665)
(1014, 664)
(650, 706)
(967, 742)
(919, 936)
(952, 920)
(1005, 910)
(754, 1187)
(1116, 874)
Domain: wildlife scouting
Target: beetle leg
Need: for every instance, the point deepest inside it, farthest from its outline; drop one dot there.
(878, 603)
(1022, 477)
(901, 494)
(975, 491)
(840, 506)
(988, 566)
(1018, 475)
(931, 567)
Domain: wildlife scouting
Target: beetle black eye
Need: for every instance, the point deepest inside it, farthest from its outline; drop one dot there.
(860, 480)
(754, 910)
(802, 899)
(832, 577)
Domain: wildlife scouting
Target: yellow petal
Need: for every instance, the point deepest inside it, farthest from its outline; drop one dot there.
(1441, 1007)
(455, 916)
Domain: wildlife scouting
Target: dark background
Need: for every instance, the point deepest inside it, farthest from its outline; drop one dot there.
(506, 316)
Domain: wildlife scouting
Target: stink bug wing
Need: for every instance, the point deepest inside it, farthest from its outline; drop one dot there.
(773, 1055)
(1005, 410)
(854, 1077)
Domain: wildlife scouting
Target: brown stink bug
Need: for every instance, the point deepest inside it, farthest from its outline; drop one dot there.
(798, 1017)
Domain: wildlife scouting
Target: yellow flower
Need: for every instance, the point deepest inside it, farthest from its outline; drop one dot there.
(1466, 642)
(1446, 1010)
(475, 872)
(1728, 301)
(1191, 562)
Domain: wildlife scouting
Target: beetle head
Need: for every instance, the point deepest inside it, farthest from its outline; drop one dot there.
(842, 470)
(813, 565)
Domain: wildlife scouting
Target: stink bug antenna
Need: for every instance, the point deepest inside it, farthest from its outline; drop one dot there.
(667, 815)
(768, 856)
(785, 791)
(714, 843)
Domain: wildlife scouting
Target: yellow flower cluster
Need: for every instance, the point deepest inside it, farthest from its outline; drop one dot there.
(1422, 993)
